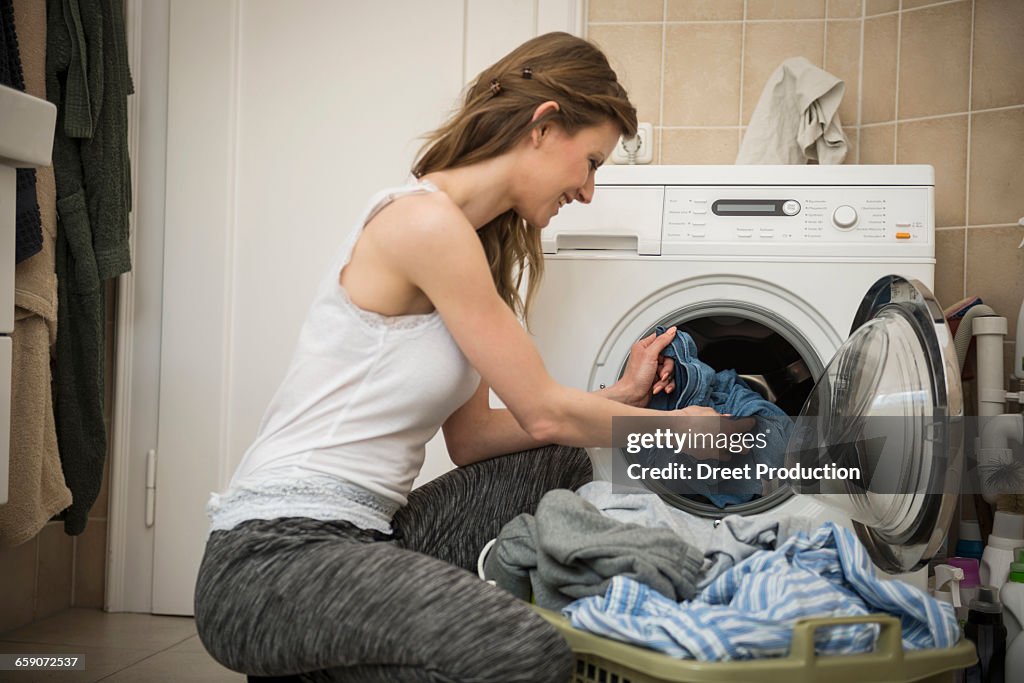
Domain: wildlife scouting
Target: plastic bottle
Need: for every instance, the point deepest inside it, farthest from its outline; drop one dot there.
(1015, 660)
(1018, 356)
(1012, 597)
(968, 585)
(1007, 534)
(969, 544)
(985, 629)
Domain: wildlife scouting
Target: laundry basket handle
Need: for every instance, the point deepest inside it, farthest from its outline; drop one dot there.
(888, 652)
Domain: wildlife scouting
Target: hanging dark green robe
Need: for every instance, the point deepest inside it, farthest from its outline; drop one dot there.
(87, 77)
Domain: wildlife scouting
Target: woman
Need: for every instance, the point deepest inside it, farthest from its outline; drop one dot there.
(320, 560)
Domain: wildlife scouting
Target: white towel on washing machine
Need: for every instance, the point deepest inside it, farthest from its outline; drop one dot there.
(797, 118)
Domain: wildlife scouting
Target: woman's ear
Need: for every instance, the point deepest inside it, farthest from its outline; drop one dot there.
(543, 109)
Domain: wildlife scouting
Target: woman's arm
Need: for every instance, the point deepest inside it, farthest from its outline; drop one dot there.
(476, 431)
(430, 243)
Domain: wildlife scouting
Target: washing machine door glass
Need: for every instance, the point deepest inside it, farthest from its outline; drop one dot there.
(880, 436)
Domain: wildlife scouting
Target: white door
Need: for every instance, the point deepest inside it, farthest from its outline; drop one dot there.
(283, 118)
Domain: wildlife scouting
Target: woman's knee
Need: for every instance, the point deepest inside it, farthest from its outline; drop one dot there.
(574, 465)
(539, 656)
(556, 467)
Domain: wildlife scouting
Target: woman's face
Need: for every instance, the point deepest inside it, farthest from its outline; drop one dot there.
(562, 169)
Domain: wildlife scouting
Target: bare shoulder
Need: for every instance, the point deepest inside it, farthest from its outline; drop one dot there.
(426, 240)
(419, 216)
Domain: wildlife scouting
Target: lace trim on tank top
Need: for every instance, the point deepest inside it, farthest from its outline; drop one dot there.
(312, 496)
(411, 321)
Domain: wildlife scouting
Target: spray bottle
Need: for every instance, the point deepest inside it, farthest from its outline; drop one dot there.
(947, 588)
(968, 584)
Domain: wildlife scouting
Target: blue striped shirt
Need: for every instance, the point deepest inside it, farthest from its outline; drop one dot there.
(750, 610)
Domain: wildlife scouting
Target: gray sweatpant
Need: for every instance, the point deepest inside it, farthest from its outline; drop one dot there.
(334, 602)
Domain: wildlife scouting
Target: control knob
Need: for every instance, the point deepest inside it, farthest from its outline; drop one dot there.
(844, 217)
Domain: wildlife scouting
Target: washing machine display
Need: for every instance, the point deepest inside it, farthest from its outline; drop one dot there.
(756, 207)
(769, 269)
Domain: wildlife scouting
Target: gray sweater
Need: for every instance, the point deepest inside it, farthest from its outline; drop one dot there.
(570, 550)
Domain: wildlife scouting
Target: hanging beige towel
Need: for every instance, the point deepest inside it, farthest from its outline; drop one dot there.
(797, 118)
(37, 489)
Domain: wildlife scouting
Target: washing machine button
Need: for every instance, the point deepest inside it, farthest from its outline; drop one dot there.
(844, 217)
(791, 208)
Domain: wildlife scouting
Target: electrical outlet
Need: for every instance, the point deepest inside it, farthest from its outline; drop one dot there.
(636, 150)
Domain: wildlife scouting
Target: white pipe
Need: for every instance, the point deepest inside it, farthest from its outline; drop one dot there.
(990, 331)
(1018, 356)
(962, 339)
(995, 452)
(997, 429)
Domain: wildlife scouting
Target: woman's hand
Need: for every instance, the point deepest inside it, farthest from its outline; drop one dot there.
(711, 421)
(647, 371)
(698, 411)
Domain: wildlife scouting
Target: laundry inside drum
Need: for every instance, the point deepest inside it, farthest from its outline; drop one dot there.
(770, 359)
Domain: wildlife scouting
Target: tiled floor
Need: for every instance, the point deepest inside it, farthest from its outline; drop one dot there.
(120, 648)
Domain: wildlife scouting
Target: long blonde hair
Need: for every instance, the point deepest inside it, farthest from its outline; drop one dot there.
(497, 113)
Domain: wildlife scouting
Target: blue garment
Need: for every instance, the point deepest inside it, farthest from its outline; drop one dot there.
(697, 384)
(750, 610)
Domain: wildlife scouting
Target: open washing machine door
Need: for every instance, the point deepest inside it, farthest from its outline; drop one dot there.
(890, 404)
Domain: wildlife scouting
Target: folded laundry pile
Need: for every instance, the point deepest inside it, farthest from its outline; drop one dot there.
(724, 543)
(749, 611)
(577, 542)
(569, 549)
(698, 384)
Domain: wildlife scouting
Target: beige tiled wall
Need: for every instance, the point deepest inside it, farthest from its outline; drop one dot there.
(54, 571)
(939, 82)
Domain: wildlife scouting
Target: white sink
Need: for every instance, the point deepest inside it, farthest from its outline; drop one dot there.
(26, 129)
(26, 140)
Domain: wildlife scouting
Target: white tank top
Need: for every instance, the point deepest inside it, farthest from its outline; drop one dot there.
(364, 392)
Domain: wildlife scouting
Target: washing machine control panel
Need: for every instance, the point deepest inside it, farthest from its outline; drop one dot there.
(738, 215)
(811, 214)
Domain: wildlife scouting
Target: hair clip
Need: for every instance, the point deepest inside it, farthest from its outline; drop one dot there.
(527, 73)
(495, 87)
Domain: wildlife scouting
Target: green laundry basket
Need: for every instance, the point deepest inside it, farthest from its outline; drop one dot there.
(603, 660)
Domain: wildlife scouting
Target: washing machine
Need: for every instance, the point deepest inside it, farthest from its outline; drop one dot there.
(814, 284)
